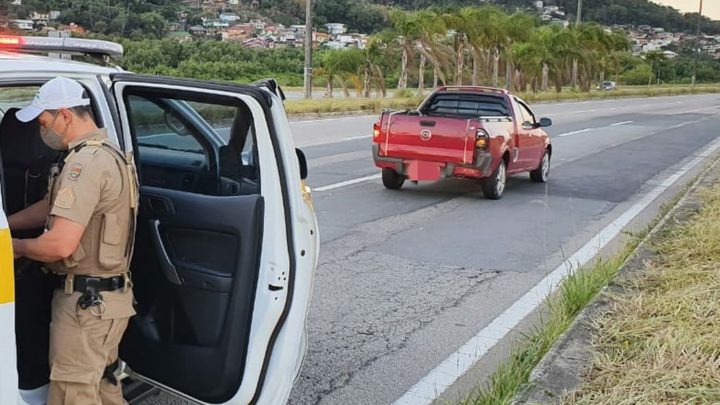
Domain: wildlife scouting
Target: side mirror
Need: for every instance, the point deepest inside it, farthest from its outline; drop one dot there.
(175, 124)
(302, 162)
(545, 122)
(413, 112)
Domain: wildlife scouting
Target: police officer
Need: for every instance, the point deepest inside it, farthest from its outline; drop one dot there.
(89, 216)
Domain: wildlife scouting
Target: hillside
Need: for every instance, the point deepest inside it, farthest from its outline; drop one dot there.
(150, 17)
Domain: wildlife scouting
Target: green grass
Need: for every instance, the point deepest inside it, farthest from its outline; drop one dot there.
(659, 344)
(575, 292)
(375, 105)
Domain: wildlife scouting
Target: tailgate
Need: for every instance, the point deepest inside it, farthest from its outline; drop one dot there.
(430, 138)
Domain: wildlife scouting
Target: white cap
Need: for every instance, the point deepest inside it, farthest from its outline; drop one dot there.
(58, 93)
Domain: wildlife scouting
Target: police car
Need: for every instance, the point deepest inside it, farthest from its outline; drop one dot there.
(227, 237)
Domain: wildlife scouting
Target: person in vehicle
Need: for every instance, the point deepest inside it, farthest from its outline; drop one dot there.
(89, 214)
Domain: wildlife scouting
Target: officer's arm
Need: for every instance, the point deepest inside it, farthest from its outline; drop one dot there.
(32, 217)
(56, 244)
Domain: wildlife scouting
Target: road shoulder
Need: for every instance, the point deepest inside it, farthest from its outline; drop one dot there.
(567, 366)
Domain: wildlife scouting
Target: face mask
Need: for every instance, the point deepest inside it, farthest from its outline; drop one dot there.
(52, 139)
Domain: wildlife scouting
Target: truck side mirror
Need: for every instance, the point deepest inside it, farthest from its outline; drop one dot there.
(545, 122)
(302, 162)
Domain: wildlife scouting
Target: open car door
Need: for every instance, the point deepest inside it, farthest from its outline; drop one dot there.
(213, 265)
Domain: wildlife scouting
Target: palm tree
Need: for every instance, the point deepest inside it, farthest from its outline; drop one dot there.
(406, 32)
(429, 27)
(654, 58)
(519, 28)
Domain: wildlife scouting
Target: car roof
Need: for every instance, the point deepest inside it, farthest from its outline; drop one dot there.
(26, 63)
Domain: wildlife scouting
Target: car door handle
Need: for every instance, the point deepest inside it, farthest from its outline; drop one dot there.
(166, 264)
(159, 206)
(427, 123)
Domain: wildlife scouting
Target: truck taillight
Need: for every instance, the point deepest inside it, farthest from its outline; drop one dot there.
(376, 132)
(481, 139)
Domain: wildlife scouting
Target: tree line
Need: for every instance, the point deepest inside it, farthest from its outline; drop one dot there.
(479, 45)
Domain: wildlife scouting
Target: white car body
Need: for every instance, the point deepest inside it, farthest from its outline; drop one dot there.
(276, 340)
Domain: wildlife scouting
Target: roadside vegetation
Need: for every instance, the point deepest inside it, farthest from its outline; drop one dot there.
(422, 49)
(411, 100)
(575, 292)
(659, 342)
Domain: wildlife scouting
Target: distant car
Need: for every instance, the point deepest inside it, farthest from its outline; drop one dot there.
(471, 132)
(607, 85)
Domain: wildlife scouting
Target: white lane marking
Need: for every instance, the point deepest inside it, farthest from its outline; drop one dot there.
(347, 183)
(446, 373)
(682, 124)
(579, 131)
(621, 123)
(334, 119)
(352, 138)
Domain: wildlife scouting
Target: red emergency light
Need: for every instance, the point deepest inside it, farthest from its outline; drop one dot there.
(10, 41)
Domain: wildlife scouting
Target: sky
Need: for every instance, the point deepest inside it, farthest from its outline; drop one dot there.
(711, 8)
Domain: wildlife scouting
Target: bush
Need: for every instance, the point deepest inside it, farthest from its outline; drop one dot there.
(640, 74)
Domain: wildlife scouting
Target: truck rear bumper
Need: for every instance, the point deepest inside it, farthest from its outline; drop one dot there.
(419, 170)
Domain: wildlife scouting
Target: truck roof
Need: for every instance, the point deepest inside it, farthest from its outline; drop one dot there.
(474, 89)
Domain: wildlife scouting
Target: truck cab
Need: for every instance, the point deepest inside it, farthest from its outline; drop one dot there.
(227, 237)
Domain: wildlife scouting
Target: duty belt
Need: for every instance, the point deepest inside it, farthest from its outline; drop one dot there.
(82, 284)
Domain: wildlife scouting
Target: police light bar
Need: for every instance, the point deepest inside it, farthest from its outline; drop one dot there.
(61, 45)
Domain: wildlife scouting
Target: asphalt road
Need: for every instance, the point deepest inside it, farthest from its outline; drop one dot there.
(407, 277)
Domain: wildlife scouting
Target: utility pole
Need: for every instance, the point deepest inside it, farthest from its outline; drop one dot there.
(697, 44)
(578, 19)
(308, 49)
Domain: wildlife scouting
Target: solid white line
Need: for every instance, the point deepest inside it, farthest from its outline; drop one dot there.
(446, 373)
(579, 131)
(347, 183)
(332, 119)
(621, 123)
(352, 138)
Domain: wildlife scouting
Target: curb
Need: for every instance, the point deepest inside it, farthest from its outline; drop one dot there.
(564, 366)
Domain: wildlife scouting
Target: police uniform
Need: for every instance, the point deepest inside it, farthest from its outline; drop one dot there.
(96, 188)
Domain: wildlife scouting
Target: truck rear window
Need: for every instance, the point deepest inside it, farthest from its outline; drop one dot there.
(466, 105)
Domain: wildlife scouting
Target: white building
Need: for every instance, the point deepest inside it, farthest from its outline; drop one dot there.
(26, 25)
(336, 28)
(229, 17)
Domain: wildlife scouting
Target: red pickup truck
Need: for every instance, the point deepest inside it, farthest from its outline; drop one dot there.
(466, 132)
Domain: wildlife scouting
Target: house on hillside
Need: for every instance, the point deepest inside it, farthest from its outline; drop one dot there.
(25, 25)
(336, 28)
(259, 25)
(180, 36)
(40, 18)
(229, 17)
(320, 37)
(198, 31)
(240, 32)
(258, 43)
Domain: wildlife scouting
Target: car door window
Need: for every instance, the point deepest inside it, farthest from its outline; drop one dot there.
(188, 145)
(527, 115)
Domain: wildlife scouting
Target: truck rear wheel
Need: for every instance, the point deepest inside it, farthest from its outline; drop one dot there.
(494, 186)
(391, 179)
(541, 174)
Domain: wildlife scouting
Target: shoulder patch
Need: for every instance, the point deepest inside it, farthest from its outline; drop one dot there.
(75, 171)
(65, 198)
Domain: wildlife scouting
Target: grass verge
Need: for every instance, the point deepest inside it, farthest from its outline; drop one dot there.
(574, 294)
(375, 105)
(659, 344)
